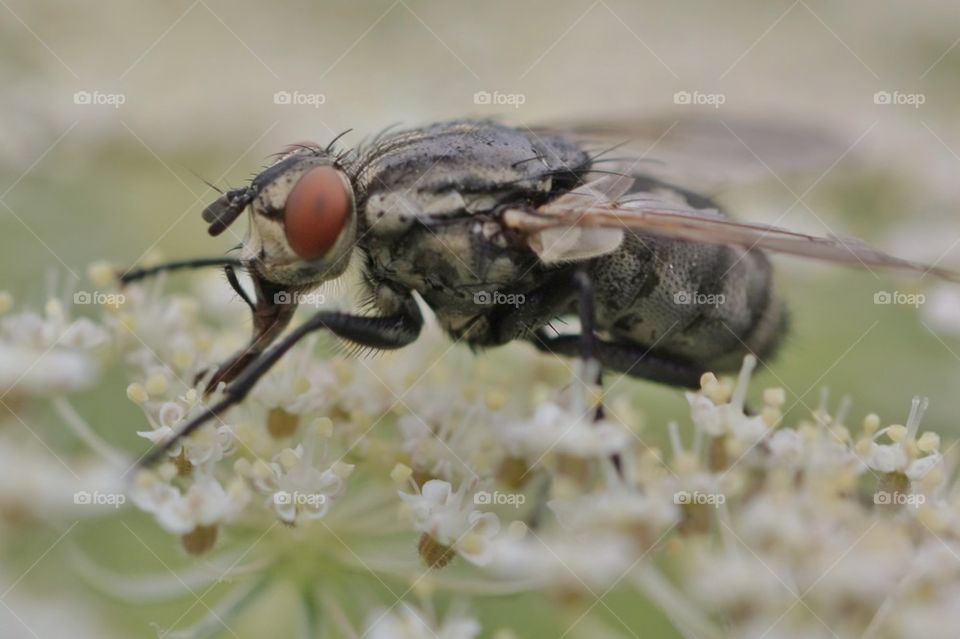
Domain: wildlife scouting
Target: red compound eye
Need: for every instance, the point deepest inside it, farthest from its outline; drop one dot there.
(316, 212)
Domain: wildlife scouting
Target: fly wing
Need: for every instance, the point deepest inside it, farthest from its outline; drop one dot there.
(703, 152)
(600, 207)
(574, 243)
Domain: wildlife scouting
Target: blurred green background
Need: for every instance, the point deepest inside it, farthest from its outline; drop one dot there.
(84, 182)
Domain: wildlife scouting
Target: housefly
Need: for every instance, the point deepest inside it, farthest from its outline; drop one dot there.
(500, 230)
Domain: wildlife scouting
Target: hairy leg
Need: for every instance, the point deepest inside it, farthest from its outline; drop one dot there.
(388, 332)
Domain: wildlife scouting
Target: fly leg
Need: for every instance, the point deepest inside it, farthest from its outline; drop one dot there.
(632, 359)
(588, 338)
(230, 271)
(137, 274)
(272, 308)
(387, 332)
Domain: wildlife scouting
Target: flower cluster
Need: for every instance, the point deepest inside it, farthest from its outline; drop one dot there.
(422, 472)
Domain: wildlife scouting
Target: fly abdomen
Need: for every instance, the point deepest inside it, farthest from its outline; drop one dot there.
(710, 304)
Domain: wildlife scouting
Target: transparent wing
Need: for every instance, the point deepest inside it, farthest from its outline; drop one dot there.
(706, 152)
(602, 206)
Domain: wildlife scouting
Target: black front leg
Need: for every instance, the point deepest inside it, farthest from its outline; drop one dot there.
(388, 332)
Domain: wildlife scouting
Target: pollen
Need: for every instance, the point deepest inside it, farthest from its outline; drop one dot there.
(102, 274)
(401, 474)
(156, 384)
(721, 392)
(774, 397)
(137, 394)
(182, 359)
(707, 381)
(53, 308)
(288, 459)
(871, 423)
(472, 543)
(517, 529)
(897, 433)
(929, 442)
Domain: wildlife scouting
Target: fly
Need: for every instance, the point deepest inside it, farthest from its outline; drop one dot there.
(501, 230)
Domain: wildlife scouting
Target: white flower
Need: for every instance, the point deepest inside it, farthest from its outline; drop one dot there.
(618, 508)
(458, 447)
(296, 383)
(54, 328)
(451, 519)
(733, 580)
(588, 562)
(43, 373)
(34, 483)
(53, 611)
(296, 487)
(49, 354)
(942, 308)
(209, 444)
(555, 428)
(406, 622)
(726, 419)
(205, 503)
(723, 535)
(906, 454)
